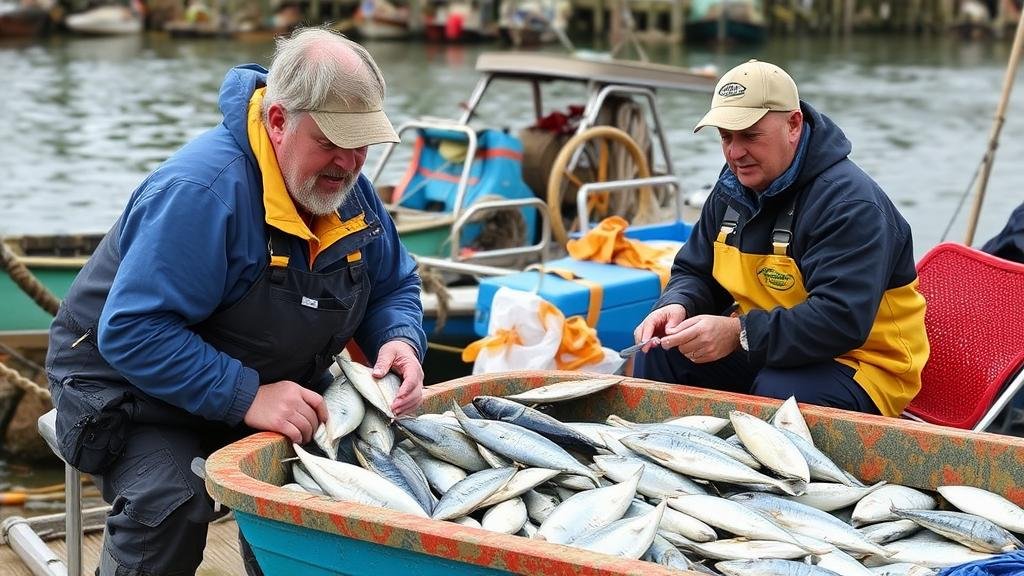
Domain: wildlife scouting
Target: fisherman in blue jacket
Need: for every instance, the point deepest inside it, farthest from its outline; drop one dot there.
(799, 278)
(216, 303)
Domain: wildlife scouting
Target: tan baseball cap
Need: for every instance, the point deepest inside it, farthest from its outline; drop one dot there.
(748, 92)
(349, 123)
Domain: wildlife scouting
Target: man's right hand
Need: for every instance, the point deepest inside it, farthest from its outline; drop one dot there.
(661, 322)
(287, 408)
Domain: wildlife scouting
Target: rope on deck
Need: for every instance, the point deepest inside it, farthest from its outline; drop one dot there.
(434, 283)
(31, 285)
(25, 384)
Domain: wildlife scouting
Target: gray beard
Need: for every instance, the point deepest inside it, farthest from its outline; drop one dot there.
(304, 194)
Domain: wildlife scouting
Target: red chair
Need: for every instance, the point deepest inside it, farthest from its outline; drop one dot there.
(975, 323)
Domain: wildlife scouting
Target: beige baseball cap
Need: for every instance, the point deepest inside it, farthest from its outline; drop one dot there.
(748, 92)
(349, 123)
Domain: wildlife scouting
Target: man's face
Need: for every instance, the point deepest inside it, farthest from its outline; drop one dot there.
(761, 153)
(318, 174)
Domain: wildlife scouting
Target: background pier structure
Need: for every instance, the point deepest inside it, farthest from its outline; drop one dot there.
(665, 19)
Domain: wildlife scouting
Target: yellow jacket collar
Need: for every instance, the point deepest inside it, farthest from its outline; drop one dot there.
(278, 204)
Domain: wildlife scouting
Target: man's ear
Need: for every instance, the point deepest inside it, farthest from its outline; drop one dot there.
(277, 117)
(794, 123)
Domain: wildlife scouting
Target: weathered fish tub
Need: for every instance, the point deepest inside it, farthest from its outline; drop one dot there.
(293, 533)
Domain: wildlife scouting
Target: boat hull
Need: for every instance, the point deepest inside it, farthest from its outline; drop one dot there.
(347, 538)
(733, 31)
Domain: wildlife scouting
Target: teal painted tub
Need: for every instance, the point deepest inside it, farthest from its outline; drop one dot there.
(294, 533)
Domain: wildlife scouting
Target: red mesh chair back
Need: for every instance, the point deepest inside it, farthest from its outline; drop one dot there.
(975, 323)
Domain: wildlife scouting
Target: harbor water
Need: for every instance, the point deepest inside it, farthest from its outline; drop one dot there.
(85, 119)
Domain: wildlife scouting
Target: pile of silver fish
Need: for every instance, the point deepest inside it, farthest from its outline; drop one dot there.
(763, 501)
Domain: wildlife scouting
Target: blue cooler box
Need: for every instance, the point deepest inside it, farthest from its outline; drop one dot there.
(628, 296)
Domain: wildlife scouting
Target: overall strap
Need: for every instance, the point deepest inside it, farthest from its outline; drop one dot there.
(729, 223)
(279, 247)
(782, 235)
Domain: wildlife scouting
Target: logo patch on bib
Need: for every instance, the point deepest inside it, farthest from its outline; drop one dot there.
(772, 278)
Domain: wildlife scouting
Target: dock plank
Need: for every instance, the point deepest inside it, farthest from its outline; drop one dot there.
(221, 557)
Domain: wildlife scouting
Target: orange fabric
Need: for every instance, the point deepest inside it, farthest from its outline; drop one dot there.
(579, 340)
(607, 244)
(579, 345)
(503, 338)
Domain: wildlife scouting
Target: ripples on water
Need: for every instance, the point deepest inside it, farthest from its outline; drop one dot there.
(88, 118)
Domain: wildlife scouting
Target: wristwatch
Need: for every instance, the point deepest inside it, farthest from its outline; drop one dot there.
(743, 335)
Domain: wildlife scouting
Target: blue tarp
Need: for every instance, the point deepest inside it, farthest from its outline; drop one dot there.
(1008, 564)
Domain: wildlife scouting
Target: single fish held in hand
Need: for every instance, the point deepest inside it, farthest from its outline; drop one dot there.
(378, 392)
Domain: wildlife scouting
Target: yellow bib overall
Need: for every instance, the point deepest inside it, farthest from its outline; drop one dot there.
(888, 365)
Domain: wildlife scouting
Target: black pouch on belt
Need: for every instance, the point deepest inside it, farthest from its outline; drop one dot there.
(92, 423)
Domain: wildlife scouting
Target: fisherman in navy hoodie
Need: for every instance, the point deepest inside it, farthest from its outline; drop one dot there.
(217, 301)
(806, 249)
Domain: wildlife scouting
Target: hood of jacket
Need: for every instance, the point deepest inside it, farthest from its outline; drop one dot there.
(235, 93)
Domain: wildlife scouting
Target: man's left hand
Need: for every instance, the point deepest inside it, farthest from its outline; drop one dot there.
(705, 338)
(400, 357)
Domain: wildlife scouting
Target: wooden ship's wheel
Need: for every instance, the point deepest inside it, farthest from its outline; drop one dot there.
(598, 148)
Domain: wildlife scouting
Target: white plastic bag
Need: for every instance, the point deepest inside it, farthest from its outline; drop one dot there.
(526, 332)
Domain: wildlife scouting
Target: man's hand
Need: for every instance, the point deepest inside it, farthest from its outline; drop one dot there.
(660, 322)
(705, 338)
(400, 357)
(287, 408)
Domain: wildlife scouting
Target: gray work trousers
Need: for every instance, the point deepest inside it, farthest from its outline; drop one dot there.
(160, 510)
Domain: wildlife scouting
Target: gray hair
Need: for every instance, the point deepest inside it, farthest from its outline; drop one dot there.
(305, 73)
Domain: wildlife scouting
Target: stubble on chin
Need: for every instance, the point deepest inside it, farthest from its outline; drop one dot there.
(306, 195)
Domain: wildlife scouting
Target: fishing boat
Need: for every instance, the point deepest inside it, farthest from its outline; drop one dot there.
(475, 201)
(383, 20)
(107, 20)
(24, 19)
(295, 533)
(739, 21)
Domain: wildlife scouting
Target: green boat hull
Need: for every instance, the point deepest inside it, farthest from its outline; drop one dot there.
(18, 312)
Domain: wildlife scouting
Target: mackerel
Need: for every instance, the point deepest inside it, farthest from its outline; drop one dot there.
(770, 568)
(973, 531)
(877, 506)
(656, 481)
(701, 462)
(524, 480)
(821, 467)
(809, 521)
(587, 511)
(539, 505)
(567, 390)
(354, 484)
(675, 521)
(466, 495)
(381, 463)
(665, 553)
(928, 552)
(738, 548)
(829, 496)
(522, 446)
(709, 424)
(441, 475)
(379, 392)
(789, 418)
(902, 569)
(443, 442)
(736, 518)
(506, 517)
(891, 531)
(414, 476)
(987, 504)
(513, 412)
(770, 446)
(626, 538)
(664, 432)
(376, 429)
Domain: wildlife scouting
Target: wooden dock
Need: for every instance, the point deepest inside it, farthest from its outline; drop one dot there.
(221, 557)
